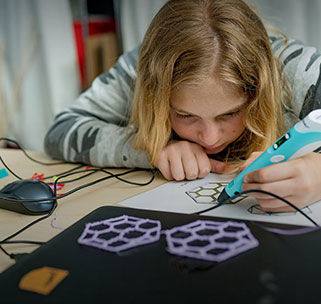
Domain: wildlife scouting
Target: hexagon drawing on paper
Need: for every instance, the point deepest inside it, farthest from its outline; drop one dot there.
(256, 209)
(208, 193)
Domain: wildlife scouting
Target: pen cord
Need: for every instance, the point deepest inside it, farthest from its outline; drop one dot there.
(263, 192)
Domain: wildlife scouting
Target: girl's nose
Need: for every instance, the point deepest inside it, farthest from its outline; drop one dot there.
(209, 134)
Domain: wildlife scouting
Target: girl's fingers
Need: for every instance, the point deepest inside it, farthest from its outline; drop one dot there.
(274, 205)
(183, 160)
(204, 166)
(190, 166)
(164, 168)
(276, 172)
(282, 188)
(176, 167)
(217, 166)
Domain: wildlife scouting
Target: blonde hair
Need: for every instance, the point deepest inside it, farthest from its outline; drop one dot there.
(190, 40)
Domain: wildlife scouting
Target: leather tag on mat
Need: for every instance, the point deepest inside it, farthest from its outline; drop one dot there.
(42, 280)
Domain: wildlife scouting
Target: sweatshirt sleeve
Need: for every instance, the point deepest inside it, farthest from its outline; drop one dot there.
(93, 129)
(302, 68)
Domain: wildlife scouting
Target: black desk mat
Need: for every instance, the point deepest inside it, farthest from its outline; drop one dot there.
(282, 269)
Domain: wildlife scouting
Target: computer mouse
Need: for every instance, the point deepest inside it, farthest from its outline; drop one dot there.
(27, 189)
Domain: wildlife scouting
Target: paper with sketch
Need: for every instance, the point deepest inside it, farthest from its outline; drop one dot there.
(194, 196)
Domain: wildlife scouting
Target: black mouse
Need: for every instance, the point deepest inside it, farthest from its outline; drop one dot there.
(27, 189)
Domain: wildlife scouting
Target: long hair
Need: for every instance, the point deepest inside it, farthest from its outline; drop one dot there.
(191, 40)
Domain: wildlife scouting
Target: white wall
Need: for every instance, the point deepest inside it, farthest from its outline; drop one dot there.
(135, 16)
(39, 71)
(300, 19)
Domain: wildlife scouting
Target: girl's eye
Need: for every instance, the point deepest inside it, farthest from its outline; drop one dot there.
(235, 113)
(227, 116)
(183, 116)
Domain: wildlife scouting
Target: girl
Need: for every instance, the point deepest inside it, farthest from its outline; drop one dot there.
(206, 91)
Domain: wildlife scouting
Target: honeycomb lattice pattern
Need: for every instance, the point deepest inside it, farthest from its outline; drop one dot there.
(120, 233)
(202, 239)
(210, 240)
(209, 193)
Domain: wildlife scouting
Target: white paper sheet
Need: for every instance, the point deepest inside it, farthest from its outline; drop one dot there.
(173, 197)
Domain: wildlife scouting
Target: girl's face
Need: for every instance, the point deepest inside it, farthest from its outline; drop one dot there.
(209, 114)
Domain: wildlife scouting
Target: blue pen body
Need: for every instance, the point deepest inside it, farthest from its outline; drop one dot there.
(301, 139)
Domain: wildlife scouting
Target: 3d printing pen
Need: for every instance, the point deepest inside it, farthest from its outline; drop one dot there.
(302, 138)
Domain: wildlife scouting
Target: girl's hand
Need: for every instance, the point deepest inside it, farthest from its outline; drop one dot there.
(297, 180)
(251, 159)
(181, 160)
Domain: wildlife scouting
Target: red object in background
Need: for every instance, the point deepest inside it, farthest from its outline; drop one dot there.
(95, 26)
(101, 26)
(80, 47)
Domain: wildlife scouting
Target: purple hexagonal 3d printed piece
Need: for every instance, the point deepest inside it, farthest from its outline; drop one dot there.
(120, 233)
(210, 240)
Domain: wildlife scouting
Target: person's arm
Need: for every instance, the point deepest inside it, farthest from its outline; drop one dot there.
(296, 180)
(93, 129)
(302, 68)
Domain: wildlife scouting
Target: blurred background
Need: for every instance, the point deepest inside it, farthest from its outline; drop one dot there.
(50, 51)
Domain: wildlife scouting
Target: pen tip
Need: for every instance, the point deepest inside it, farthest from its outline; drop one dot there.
(222, 197)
